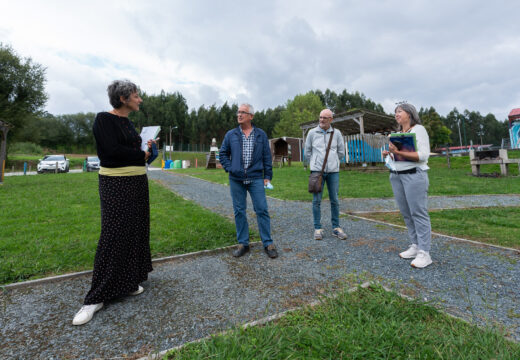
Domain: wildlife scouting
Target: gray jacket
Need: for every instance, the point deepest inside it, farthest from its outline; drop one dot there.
(316, 147)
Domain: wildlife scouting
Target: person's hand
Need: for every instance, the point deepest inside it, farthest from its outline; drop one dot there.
(266, 181)
(392, 148)
(385, 153)
(147, 155)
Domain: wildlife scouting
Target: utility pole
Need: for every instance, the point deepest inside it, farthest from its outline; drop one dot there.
(464, 130)
(171, 144)
(460, 137)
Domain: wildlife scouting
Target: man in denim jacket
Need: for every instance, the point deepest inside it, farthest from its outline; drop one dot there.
(246, 156)
(315, 150)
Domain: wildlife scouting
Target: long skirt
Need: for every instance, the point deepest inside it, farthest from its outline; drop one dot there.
(123, 258)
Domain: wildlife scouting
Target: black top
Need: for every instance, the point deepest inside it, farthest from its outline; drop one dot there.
(117, 142)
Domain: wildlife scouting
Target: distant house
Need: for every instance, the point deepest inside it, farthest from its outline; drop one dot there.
(280, 147)
(514, 128)
(462, 149)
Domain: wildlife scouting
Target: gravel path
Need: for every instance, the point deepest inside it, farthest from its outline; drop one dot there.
(187, 299)
(434, 202)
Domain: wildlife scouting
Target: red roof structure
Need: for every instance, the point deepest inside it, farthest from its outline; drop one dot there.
(514, 115)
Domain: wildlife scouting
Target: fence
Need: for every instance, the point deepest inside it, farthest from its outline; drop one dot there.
(188, 147)
(365, 148)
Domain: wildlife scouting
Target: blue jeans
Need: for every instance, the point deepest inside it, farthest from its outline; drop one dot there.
(256, 190)
(332, 180)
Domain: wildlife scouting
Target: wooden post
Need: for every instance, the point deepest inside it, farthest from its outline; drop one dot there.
(475, 168)
(4, 128)
(448, 156)
(504, 166)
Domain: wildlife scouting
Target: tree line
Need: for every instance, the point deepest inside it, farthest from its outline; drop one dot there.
(22, 99)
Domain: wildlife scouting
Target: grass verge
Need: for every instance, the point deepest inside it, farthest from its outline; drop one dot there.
(290, 183)
(50, 225)
(496, 225)
(367, 324)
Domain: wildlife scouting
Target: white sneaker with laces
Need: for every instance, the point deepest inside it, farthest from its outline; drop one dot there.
(410, 253)
(318, 234)
(85, 314)
(339, 233)
(139, 290)
(422, 259)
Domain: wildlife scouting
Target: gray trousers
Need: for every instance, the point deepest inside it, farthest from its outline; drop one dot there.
(411, 196)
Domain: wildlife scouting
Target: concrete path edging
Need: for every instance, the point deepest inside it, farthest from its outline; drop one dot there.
(435, 233)
(28, 283)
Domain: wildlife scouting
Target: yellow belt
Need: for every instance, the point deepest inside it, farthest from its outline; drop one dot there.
(123, 171)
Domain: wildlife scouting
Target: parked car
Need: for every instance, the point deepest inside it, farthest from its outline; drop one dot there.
(48, 164)
(92, 163)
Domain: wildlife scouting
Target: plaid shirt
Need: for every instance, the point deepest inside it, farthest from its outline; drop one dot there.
(247, 151)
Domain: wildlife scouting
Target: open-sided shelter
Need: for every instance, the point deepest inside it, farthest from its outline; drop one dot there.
(364, 132)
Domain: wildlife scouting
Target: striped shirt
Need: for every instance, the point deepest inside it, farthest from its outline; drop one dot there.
(248, 144)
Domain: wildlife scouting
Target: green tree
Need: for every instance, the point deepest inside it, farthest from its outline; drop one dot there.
(267, 119)
(439, 134)
(302, 108)
(346, 101)
(22, 85)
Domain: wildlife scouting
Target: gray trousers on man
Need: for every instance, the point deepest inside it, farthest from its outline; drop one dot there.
(411, 196)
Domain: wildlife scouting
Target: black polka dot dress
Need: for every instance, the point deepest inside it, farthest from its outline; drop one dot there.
(123, 258)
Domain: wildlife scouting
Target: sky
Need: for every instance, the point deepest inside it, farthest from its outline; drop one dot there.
(445, 54)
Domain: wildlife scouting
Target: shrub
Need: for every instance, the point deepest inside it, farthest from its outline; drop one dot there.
(27, 148)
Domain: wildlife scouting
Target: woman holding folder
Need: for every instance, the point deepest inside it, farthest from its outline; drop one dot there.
(123, 257)
(410, 185)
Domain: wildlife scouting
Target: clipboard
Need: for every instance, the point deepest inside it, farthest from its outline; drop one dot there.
(403, 142)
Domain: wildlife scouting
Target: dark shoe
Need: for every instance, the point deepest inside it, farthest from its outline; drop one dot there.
(270, 250)
(242, 249)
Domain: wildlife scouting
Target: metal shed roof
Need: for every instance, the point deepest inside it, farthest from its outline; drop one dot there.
(358, 121)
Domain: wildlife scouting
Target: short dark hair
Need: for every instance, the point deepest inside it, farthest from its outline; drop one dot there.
(410, 110)
(120, 88)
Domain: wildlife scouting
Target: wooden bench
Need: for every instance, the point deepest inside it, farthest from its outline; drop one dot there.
(502, 160)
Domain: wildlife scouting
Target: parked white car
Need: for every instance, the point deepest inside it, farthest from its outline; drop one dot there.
(92, 163)
(48, 164)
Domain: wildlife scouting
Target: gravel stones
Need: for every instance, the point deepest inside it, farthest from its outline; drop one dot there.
(190, 298)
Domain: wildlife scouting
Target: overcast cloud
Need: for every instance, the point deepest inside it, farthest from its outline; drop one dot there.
(445, 54)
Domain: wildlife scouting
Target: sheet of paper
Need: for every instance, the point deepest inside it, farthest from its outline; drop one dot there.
(147, 133)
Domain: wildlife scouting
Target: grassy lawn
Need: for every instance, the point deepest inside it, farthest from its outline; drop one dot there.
(290, 183)
(498, 225)
(366, 324)
(50, 224)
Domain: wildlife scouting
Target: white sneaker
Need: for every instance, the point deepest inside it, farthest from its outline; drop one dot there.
(422, 259)
(318, 234)
(339, 233)
(410, 253)
(139, 290)
(85, 314)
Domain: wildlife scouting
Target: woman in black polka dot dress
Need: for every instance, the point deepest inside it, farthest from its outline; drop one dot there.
(123, 257)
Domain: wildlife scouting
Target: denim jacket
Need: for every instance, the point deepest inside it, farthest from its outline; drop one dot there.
(230, 155)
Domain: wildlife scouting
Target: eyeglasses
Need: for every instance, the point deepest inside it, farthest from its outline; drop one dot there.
(243, 113)
(325, 117)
